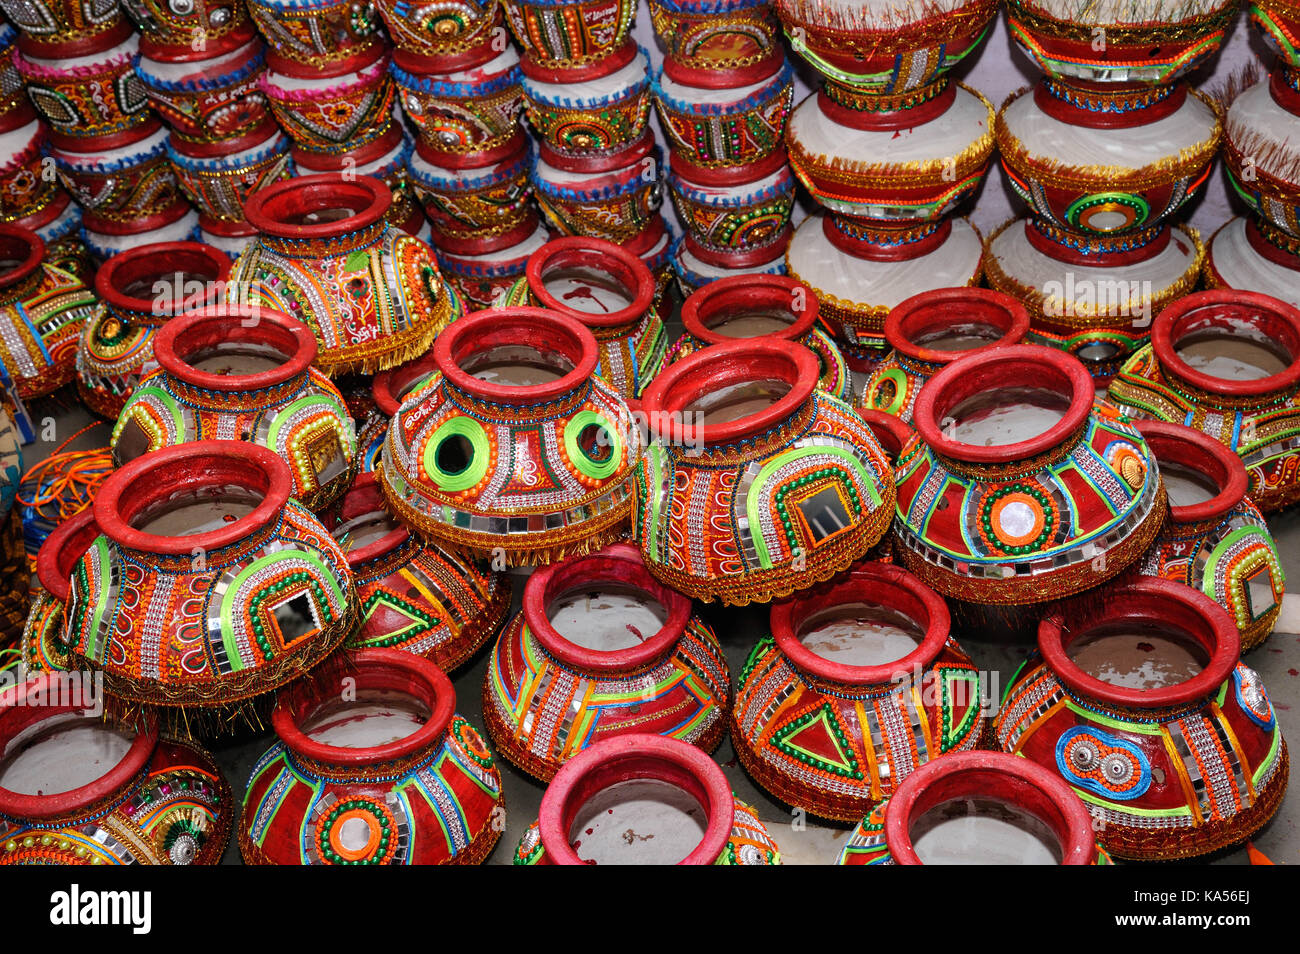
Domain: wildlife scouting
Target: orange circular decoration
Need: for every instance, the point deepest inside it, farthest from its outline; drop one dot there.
(371, 845)
(1017, 519)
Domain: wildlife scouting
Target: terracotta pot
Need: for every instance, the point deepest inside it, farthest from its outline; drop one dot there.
(385, 159)
(609, 290)
(564, 35)
(727, 126)
(323, 112)
(138, 290)
(243, 373)
(591, 665)
(321, 36)
(562, 485)
(931, 330)
(387, 390)
(281, 587)
(143, 799)
(124, 189)
(432, 796)
(460, 32)
(706, 38)
(859, 684)
(59, 226)
(1258, 416)
(169, 32)
(743, 434)
(1278, 24)
(1019, 488)
(412, 596)
(461, 111)
(42, 310)
(738, 209)
(95, 98)
(606, 111)
(325, 255)
(216, 98)
(25, 185)
(986, 784)
(479, 198)
(1214, 539)
(730, 832)
(1134, 53)
(1176, 768)
(1261, 117)
(65, 28)
(43, 646)
(485, 277)
(218, 177)
(614, 202)
(760, 306)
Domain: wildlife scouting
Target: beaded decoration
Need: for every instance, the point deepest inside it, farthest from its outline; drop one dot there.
(734, 219)
(218, 185)
(52, 27)
(476, 202)
(340, 118)
(728, 133)
(41, 319)
(716, 35)
(170, 26)
(202, 107)
(441, 28)
(102, 98)
(318, 33)
(462, 117)
(563, 34)
(576, 123)
(121, 192)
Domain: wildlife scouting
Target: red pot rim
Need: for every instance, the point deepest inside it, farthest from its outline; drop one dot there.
(613, 61)
(141, 226)
(365, 496)
(16, 717)
(972, 774)
(885, 120)
(497, 327)
(619, 564)
(115, 140)
(146, 261)
(454, 245)
(891, 432)
(1277, 319)
(184, 51)
(940, 308)
(754, 257)
(648, 239)
(513, 148)
(60, 552)
(186, 466)
(603, 162)
(882, 584)
(325, 162)
(368, 53)
(224, 229)
(79, 46)
(268, 208)
(722, 365)
(425, 64)
(628, 757)
(742, 174)
(1155, 598)
(29, 252)
(596, 253)
(390, 669)
(734, 77)
(989, 371)
(739, 292)
(1175, 444)
(267, 128)
(19, 116)
(227, 324)
(387, 386)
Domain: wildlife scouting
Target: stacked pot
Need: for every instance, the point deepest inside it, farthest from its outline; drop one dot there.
(724, 95)
(459, 81)
(77, 61)
(889, 147)
(1105, 149)
(587, 95)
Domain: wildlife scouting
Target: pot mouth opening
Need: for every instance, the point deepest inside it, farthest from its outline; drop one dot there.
(645, 820)
(194, 512)
(1235, 344)
(862, 634)
(20, 256)
(939, 327)
(736, 402)
(318, 206)
(390, 389)
(1138, 654)
(750, 306)
(227, 348)
(599, 283)
(517, 366)
(978, 829)
(163, 281)
(513, 355)
(1203, 478)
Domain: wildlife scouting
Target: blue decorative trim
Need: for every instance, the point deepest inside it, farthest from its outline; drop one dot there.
(775, 86)
(784, 186)
(439, 184)
(1092, 785)
(279, 144)
(427, 84)
(709, 7)
(198, 83)
(573, 194)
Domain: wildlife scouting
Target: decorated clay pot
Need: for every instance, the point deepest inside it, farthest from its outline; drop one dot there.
(128, 189)
(700, 822)
(59, 226)
(1278, 25)
(326, 256)
(59, 28)
(170, 30)
(617, 652)
(385, 159)
(411, 595)
(613, 198)
(565, 35)
(15, 107)
(388, 390)
(96, 97)
(933, 329)
(1143, 44)
(696, 266)
(43, 645)
(707, 38)
(178, 223)
(756, 484)
(1251, 254)
(481, 198)
(760, 306)
(218, 177)
(485, 276)
(1258, 130)
(725, 126)
(734, 210)
(211, 99)
(329, 112)
(177, 604)
(138, 290)
(977, 808)
(461, 111)
(1021, 488)
(323, 36)
(1141, 705)
(25, 186)
(859, 684)
(1226, 363)
(589, 112)
(453, 31)
(242, 373)
(77, 789)
(1215, 539)
(884, 50)
(338, 788)
(515, 448)
(42, 310)
(609, 290)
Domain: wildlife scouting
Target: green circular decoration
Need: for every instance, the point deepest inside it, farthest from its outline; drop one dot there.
(1077, 211)
(889, 391)
(594, 467)
(480, 450)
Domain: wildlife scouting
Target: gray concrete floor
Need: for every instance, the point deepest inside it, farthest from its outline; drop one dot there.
(802, 841)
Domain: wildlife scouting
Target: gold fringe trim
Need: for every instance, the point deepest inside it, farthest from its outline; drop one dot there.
(1162, 26)
(395, 349)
